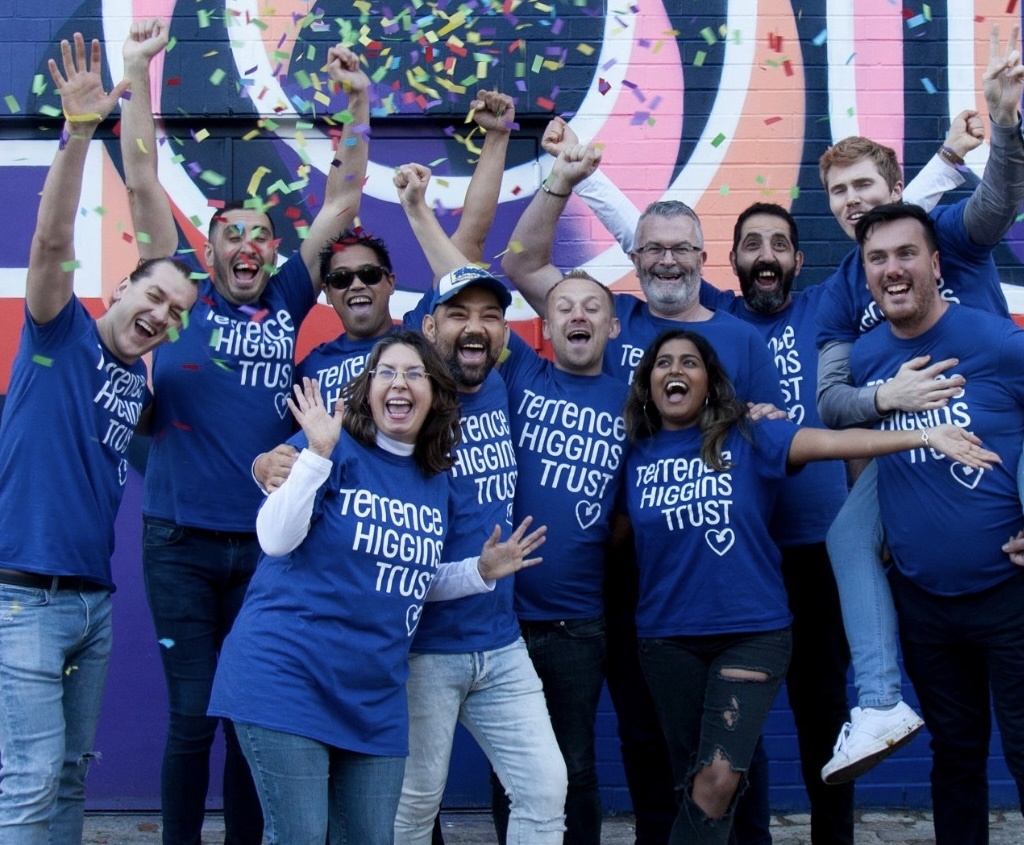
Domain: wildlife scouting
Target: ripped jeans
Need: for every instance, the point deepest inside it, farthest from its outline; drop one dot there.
(703, 713)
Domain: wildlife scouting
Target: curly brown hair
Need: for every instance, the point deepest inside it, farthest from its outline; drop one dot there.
(434, 450)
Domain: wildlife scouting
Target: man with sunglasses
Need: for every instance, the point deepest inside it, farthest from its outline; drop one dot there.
(222, 389)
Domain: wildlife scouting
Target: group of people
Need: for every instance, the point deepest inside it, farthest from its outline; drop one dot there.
(448, 527)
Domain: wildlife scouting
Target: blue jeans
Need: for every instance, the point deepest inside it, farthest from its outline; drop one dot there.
(195, 583)
(569, 657)
(960, 651)
(307, 788)
(498, 698)
(869, 617)
(54, 651)
(703, 713)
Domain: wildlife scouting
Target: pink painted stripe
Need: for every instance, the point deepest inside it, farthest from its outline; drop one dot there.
(878, 43)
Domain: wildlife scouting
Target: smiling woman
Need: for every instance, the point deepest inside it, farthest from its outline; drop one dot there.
(701, 481)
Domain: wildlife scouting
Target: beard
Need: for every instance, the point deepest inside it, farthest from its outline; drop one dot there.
(468, 375)
(766, 301)
(670, 296)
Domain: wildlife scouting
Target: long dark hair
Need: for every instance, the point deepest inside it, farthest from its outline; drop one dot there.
(435, 444)
(721, 411)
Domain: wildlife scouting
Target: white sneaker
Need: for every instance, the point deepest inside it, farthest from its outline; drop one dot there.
(869, 737)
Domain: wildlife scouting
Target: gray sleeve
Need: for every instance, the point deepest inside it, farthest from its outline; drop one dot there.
(992, 208)
(840, 404)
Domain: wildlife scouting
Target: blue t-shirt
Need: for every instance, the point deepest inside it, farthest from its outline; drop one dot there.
(71, 410)
(483, 484)
(707, 562)
(334, 364)
(969, 276)
(945, 523)
(810, 501)
(569, 438)
(222, 389)
(324, 632)
(740, 348)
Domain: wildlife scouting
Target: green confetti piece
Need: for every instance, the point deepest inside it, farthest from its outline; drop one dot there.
(204, 17)
(724, 190)
(698, 60)
(143, 238)
(197, 276)
(263, 25)
(215, 339)
(172, 42)
(43, 360)
(436, 162)
(211, 177)
(50, 111)
(708, 34)
(172, 334)
(38, 84)
(100, 210)
(794, 192)
(12, 104)
(717, 140)
(221, 363)
(538, 62)
(304, 124)
(849, 112)
(303, 79)
(178, 159)
(195, 221)
(184, 320)
(217, 77)
(68, 266)
(759, 179)
(926, 10)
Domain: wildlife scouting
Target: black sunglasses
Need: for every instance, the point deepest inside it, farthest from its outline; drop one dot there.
(369, 274)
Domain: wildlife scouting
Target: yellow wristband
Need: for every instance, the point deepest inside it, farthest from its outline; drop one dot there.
(92, 117)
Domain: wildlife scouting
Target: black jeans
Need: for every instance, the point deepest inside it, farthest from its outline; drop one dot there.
(956, 649)
(569, 657)
(704, 712)
(645, 757)
(195, 583)
(816, 684)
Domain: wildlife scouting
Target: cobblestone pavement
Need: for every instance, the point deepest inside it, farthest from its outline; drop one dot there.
(873, 828)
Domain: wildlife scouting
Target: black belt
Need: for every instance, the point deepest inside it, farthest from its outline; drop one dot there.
(17, 578)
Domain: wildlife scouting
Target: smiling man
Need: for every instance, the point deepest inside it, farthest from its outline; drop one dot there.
(958, 596)
(78, 388)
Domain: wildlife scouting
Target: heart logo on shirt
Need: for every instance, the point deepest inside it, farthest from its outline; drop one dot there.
(587, 513)
(968, 476)
(281, 403)
(720, 541)
(412, 617)
(122, 472)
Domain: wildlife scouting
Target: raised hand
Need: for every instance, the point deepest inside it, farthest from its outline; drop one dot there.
(493, 111)
(573, 165)
(966, 132)
(557, 136)
(322, 429)
(146, 39)
(411, 180)
(82, 97)
(961, 446)
(499, 559)
(1003, 80)
(343, 68)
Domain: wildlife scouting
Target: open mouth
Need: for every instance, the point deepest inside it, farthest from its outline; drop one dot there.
(578, 337)
(897, 289)
(473, 351)
(398, 409)
(359, 302)
(145, 329)
(676, 390)
(767, 278)
(245, 271)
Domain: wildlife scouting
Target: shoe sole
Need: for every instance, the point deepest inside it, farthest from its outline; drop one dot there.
(854, 770)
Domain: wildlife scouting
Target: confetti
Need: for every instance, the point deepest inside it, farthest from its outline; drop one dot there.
(42, 360)
(927, 84)
(68, 266)
(166, 642)
(820, 38)
(717, 140)
(12, 104)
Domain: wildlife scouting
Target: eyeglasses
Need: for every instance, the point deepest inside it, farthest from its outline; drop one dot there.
(678, 251)
(387, 375)
(339, 279)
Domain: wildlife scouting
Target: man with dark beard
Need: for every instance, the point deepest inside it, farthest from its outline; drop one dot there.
(766, 259)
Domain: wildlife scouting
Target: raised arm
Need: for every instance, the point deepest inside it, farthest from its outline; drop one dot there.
(51, 276)
(612, 207)
(527, 262)
(941, 173)
(411, 180)
(347, 172)
(992, 208)
(156, 233)
(495, 114)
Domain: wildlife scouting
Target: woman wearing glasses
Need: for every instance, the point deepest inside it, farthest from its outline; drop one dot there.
(713, 617)
(313, 672)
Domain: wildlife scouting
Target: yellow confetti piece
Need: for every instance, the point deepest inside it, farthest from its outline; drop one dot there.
(322, 98)
(70, 669)
(255, 179)
(252, 133)
(141, 146)
(455, 21)
(202, 135)
(585, 49)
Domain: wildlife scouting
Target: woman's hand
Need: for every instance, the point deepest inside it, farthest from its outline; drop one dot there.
(961, 446)
(499, 559)
(321, 428)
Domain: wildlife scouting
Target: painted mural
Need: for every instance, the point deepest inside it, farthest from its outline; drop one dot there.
(718, 103)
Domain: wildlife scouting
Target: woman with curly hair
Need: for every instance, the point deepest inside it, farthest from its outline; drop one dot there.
(713, 618)
(313, 672)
